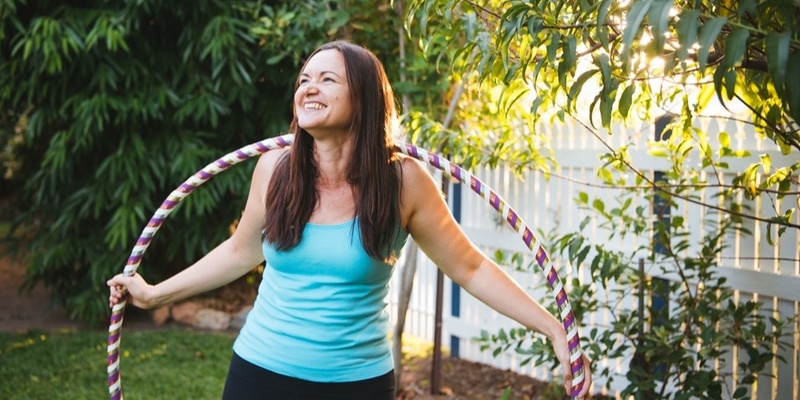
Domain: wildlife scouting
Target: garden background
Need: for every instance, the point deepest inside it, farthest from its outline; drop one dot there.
(108, 105)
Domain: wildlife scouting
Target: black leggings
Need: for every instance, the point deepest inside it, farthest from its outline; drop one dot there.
(250, 382)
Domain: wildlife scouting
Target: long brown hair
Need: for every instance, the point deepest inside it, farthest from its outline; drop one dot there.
(373, 168)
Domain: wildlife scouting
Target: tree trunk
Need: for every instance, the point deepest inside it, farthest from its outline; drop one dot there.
(406, 284)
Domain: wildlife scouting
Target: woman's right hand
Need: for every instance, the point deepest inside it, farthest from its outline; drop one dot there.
(138, 292)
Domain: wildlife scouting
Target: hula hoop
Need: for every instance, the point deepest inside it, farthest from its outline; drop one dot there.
(448, 169)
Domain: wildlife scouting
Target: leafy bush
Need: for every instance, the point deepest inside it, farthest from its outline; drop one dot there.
(122, 101)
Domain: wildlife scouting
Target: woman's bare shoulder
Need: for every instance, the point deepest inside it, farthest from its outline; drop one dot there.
(411, 169)
(267, 163)
(417, 187)
(269, 160)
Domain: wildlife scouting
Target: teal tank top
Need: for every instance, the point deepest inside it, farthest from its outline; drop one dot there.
(320, 313)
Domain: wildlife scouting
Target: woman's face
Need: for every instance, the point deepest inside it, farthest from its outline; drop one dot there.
(322, 100)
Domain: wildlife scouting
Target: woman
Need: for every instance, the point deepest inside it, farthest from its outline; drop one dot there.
(330, 216)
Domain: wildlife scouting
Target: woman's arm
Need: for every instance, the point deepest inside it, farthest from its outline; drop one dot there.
(429, 221)
(230, 260)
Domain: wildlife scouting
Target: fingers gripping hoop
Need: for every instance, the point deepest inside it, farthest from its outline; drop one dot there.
(448, 169)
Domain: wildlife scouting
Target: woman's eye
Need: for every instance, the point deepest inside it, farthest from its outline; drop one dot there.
(302, 82)
(327, 79)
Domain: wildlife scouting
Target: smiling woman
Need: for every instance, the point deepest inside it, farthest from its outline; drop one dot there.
(330, 216)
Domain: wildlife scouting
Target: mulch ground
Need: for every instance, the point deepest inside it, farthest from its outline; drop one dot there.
(462, 379)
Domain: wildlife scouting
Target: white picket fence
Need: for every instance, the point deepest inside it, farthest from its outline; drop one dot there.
(756, 270)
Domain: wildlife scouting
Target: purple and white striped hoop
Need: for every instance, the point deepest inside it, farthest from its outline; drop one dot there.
(448, 169)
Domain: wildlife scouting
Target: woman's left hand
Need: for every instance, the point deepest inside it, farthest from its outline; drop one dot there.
(561, 348)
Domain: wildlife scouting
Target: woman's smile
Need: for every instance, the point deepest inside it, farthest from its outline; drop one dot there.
(314, 106)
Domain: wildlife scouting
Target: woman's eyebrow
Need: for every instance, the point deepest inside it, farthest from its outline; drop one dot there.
(321, 73)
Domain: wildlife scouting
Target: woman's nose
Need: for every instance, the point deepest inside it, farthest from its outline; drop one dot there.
(309, 87)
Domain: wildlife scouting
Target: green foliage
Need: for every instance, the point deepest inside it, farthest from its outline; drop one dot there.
(71, 365)
(520, 40)
(600, 64)
(621, 63)
(675, 349)
(500, 146)
(122, 101)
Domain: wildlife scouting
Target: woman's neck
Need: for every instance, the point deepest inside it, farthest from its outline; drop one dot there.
(333, 161)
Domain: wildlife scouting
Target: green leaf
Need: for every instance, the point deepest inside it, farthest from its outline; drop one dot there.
(708, 35)
(724, 140)
(599, 205)
(608, 92)
(704, 96)
(606, 108)
(766, 163)
(535, 25)
(578, 84)
(626, 100)
(735, 47)
(658, 151)
(591, 108)
(569, 52)
(792, 84)
(605, 68)
(272, 60)
(537, 102)
(602, 12)
(746, 7)
(658, 15)
(730, 82)
(605, 175)
(719, 84)
(563, 71)
(552, 47)
(777, 58)
(602, 16)
(750, 178)
(634, 20)
(586, 221)
(687, 32)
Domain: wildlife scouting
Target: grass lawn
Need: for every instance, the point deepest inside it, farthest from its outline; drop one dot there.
(163, 364)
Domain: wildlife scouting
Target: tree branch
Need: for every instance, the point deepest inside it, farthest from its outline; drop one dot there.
(681, 186)
(757, 65)
(482, 8)
(783, 134)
